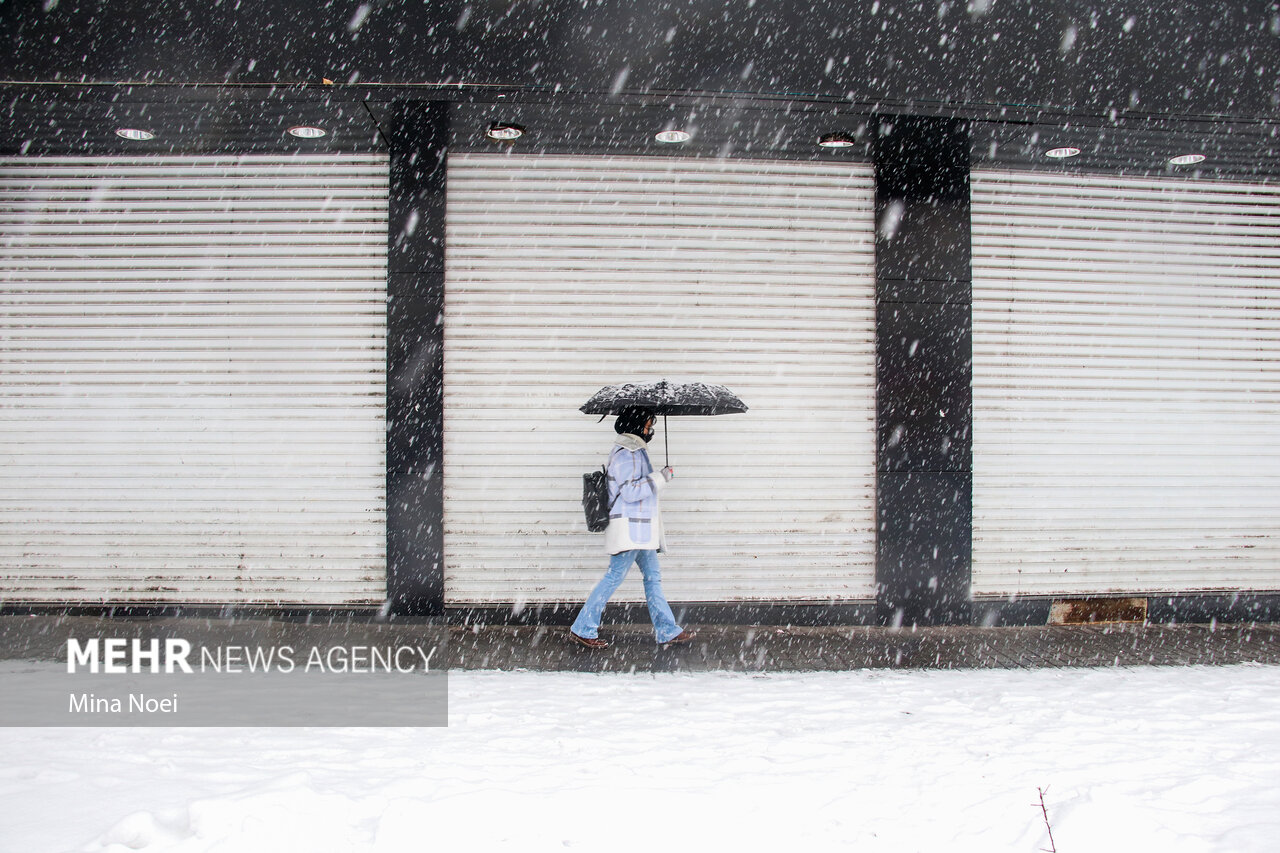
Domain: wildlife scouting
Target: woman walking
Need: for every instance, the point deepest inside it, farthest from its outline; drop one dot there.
(634, 535)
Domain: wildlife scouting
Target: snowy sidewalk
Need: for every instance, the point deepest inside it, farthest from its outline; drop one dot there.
(1168, 759)
(740, 648)
(625, 756)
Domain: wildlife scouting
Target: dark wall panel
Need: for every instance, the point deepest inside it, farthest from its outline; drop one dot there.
(922, 210)
(924, 407)
(1211, 58)
(924, 372)
(415, 358)
(924, 551)
(419, 140)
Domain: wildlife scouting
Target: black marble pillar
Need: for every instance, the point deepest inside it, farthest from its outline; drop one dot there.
(415, 358)
(924, 369)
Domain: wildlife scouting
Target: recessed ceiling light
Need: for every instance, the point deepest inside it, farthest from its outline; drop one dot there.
(673, 136)
(504, 132)
(837, 140)
(1062, 153)
(134, 133)
(304, 131)
(1186, 160)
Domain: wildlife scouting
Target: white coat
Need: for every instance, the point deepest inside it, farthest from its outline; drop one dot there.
(635, 518)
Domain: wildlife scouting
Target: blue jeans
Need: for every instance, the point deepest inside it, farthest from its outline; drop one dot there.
(664, 622)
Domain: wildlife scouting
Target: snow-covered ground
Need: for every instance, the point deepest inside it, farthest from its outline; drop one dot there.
(1152, 759)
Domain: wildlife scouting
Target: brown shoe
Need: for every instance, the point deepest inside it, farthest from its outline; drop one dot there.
(680, 639)
(590, 642)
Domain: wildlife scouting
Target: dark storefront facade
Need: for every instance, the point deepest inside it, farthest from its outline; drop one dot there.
(1001, 348)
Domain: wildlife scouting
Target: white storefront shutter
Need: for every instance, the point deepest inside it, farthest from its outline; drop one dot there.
(1126, 337)
(193, 386)
(568, 273)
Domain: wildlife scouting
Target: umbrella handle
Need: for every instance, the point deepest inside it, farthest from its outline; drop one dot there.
(666, 440)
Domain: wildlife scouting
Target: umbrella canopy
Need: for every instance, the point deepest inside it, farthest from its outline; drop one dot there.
(666, 398)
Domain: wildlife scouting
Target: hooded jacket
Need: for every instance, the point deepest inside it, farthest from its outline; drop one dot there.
(634, 521)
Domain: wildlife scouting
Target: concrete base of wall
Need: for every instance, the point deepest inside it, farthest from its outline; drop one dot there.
(742, 648)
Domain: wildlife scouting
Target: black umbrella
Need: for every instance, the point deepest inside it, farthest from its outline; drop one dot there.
(666, 398)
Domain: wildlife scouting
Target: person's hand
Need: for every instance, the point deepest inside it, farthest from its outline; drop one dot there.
(668, 473)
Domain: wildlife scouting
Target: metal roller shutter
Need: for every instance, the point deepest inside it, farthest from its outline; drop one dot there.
(192, 397)
(1126, 385)
(565, 274)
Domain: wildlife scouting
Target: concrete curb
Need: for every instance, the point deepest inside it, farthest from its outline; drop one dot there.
(728, 648)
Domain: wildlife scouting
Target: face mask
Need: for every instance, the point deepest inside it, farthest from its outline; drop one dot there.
(647, 435)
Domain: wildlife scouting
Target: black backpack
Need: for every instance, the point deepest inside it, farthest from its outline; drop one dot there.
(595, 499)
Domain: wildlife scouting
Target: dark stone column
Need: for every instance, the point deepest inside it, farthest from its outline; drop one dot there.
(924, 371)
(415, 358)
